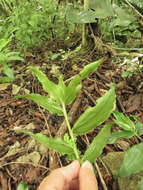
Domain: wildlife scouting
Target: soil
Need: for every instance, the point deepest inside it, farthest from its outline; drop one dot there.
(21, 112)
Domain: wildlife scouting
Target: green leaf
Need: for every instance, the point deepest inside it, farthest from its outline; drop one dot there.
(124, 18)
(56, 144)
(4, 43)
(22, 186)
(96, 147)
(90, 68)
(44, 102)
(83, 17)
(103, 9)
(8, 71)
(138, 124)
(6, 79)
(94, 116)
(133, 161)
(71, 93)
(74, 86)
(13, 56)
(6, 55)
(123, 121)
(56, 91)
(47, 85)
(61, 91)
(73, 89)
(139, 127)
(120, 134)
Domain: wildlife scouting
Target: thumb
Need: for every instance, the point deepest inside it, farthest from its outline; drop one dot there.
(87, 178)
(59, 179)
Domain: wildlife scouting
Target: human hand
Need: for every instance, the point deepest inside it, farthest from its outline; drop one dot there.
(71, 177)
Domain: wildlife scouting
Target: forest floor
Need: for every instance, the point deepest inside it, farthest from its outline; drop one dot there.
(21, 159)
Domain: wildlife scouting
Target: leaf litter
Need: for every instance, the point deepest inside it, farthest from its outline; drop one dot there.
(21, 149)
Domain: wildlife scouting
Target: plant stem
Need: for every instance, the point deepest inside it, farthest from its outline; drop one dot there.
(84, 32)
(70, 132)
(139, 137)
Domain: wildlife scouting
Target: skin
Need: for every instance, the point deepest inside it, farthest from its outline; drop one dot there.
(71, 177)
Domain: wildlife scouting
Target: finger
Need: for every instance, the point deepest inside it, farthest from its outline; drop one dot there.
(71, 171)
(53, 182)
(87, 178)
(60, 178)
(74, 185)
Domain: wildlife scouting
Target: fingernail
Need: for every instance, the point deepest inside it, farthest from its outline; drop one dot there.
(73, 164)
(87, 164)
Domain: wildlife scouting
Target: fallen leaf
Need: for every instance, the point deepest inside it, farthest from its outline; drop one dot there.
(28, 54)
(14, 149)
(33, 157)
(37, 146)
(76, 68)
(123, 145)
(31, 144)
(26, 91)
(4, 86)
(30, 126)
(42, 149)
(133, 103)
(15, 89)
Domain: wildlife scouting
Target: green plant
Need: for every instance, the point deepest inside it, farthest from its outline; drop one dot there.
(129, 128)
(22, 186)
(133, 160)
(29, 24)
(6, 6)
(7, 56)
(60, 95)
(32, 22)
(117, 21)
(131, 67)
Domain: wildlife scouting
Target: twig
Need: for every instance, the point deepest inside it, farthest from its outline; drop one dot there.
(89, 96)
(95, 86)
(14, 178)
(87, 140)
(53, 160)
(128, 49)
(100, 176)
(120, 104)
(9, 184)
(102, 77)
(29, 163)
(137, 12)
(133, 54)
(107, 170)
(45, 121)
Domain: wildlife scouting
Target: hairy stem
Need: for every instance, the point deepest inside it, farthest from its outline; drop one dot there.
(70, 132)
